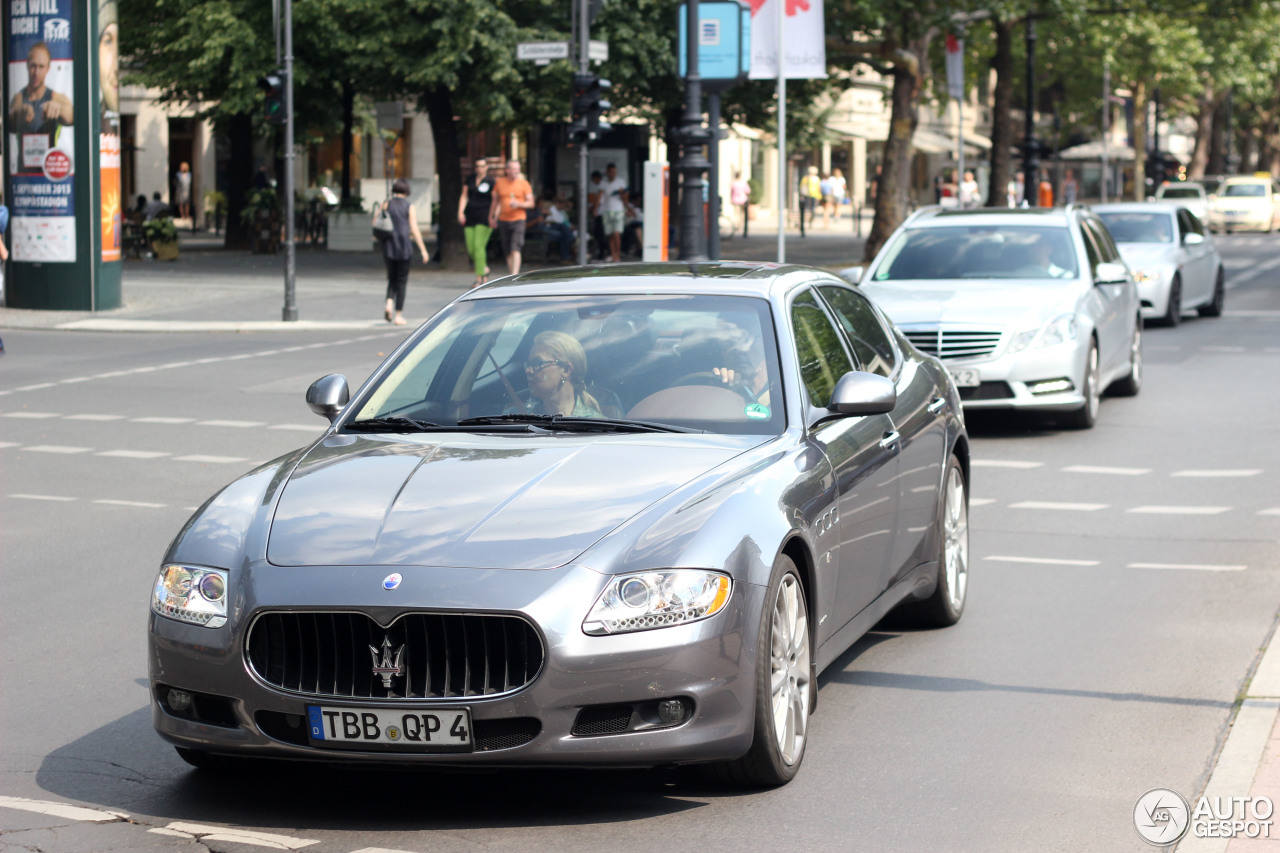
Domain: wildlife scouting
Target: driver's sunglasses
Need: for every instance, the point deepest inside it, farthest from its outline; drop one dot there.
(538, 366)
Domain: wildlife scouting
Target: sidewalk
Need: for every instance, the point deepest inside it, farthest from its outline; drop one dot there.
(209, 288)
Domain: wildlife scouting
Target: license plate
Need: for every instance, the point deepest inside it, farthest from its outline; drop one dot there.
(403, 730)
(965, 377)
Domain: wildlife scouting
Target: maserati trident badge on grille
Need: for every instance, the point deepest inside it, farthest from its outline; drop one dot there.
(391, 581)
(387, 667)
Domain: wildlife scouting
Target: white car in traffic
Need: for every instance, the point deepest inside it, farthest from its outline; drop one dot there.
(1246, 203)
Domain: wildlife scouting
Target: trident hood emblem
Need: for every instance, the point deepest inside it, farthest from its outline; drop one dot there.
(387, 667)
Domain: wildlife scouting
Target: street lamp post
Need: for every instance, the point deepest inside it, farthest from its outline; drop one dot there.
(1031, 145)
(692, 163)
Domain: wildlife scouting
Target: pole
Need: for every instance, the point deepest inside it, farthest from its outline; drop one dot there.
(584, 65)
(782, 137)
(960, 134)
(692, 163)
(713, 199)
(1031, 145)
(1106, 124)
(290, 312)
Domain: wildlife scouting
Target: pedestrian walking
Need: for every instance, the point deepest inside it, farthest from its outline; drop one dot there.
(613, 210)
(1070, 188)
(810, 195)
(473, 216)
(828, 199)
(397, 249)
(512, 201)
(1015, 192)
(839, 191)
(969, 193)
(740, 197)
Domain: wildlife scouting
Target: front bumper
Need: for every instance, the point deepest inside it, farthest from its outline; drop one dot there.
(1009, 380)
(709, 665)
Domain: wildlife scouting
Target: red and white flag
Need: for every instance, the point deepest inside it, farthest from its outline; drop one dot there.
(804, 40)
(955, 67)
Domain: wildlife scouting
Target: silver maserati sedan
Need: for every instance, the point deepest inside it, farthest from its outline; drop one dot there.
(1030, 309)
(618, 516)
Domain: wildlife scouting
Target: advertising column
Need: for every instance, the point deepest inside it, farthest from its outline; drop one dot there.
(62, 154)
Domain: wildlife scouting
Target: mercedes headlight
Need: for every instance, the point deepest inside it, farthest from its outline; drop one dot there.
(657, 599)
(1060, 330)
(191, 594)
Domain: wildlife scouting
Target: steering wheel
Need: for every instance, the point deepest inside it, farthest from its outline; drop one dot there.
(706, 377)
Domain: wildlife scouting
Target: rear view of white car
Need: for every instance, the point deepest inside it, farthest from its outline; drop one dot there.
(1190, 194)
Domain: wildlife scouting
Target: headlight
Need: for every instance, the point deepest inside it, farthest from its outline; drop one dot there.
(1059, 331)
(191, 594)
(1144, 276)
(657, 599)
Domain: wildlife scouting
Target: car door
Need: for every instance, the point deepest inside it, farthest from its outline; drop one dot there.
(918, 418)
(1199, 256)
(1116, 304)
(863, 453)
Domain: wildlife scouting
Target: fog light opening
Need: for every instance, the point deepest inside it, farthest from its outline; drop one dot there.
(179, 701)
(672, 712)
(1051, 386)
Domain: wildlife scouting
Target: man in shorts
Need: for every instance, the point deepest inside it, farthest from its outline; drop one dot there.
(613, 209)
(512, 199)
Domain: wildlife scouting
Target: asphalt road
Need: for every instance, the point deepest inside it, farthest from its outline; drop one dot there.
(1124, 581)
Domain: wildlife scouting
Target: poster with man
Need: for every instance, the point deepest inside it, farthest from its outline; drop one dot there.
(41, 146)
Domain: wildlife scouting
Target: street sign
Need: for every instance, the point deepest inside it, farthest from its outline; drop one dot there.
(542, 51)
(724, 43)
(597, 51)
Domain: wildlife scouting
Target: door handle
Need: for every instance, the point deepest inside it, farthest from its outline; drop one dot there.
(937, 405)
(890, 439)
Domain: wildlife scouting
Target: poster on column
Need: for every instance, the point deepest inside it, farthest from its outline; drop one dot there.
(109, 130)
(42, 152)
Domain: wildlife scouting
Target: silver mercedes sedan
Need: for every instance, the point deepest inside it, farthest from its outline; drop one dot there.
(618, 516)
(1030, 309)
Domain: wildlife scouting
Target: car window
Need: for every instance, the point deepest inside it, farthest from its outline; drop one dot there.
(1091, 250)
(819, 351)
(979, 252)
(1107, 250)
(1184, 224)
(863, 330)
(1244, 190)
(1179, 192)
(1138, 227)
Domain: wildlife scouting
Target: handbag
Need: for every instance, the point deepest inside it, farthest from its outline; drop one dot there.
(382, 227)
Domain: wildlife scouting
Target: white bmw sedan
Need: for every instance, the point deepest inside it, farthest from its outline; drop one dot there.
(1030, 309)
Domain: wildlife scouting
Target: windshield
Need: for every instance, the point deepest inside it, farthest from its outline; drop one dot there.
(1138, 227)
(591, 359)
(978, 252)
(1244, 190)
(1179, 192)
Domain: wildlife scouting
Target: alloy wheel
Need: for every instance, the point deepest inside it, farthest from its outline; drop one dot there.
(790, 672)
(956, 531)
(1092, 395)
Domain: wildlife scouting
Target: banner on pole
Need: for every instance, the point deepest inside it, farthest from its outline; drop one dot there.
(955, 67)
(805, 49)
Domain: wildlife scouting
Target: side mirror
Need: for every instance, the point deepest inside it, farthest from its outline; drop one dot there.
(1111, 273)
(328, 394)
(1192, 239)
(853, 275)
(858, 393)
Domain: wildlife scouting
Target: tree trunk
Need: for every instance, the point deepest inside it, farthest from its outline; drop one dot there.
(1216, 164)
(1140, 142)
(1001, 115)
(239, 179)
(348, 133)
(895, 173)
(452, 249)
(1207, 108)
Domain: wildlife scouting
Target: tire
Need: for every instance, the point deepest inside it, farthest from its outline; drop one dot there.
(1173, 309)
(1087, 415)
(1129, 386)
(785, 645)
(1214, 308)
(946, 605)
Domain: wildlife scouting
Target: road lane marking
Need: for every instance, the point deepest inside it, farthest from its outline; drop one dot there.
(32, 415)
(133, 454)
(241, 836)
(1181, 510)
(1067, 507)
(1253, 313)
(1103, 469)
(96, 417)
(981, 501)
(196, 457)
(41, 497)
(143, 504)
(1003, 463)
(62, 810)
(297, 427)
(1237, 472)
(1042, 561)
(1222, 349)
(236, 424)
(56, 448)
(1199, 567)
(37, 386)
(160, 420)
(1273, 511)
(9, 444)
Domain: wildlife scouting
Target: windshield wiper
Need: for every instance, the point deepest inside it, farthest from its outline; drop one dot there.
(395, 423)
(575, 424)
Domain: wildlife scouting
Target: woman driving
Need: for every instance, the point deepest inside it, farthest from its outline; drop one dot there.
(556, 372)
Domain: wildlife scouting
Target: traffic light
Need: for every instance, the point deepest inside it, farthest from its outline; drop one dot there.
(272, 84)
(589, 106)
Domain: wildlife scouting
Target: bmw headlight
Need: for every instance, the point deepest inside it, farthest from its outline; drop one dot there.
(657, 599)
(191, 594)
(1060, 330)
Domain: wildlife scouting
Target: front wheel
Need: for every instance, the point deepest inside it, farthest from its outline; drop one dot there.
(784, 687)
(1130, 385)
(946, 605)
(1173, 309)
(1087, 415)
(1214, 308)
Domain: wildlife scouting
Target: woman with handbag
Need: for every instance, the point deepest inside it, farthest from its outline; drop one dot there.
(395, 223)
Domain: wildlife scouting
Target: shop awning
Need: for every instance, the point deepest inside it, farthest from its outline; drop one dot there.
(1093, 151)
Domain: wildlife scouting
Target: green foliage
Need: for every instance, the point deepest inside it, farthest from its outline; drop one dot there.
(263, 201)
(215, 202)
(160, 230)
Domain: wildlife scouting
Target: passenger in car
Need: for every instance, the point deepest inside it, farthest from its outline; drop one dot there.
(556, 372)
(1035, 260)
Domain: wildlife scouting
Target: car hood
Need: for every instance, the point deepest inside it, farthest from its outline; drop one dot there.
(1016, 302)
(483, 501)
(1142, 255)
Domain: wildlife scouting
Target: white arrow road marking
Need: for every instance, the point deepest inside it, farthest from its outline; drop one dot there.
(240, 836)
(62, 810)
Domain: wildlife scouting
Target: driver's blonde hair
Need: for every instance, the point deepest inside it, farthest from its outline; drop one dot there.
(565, 347)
